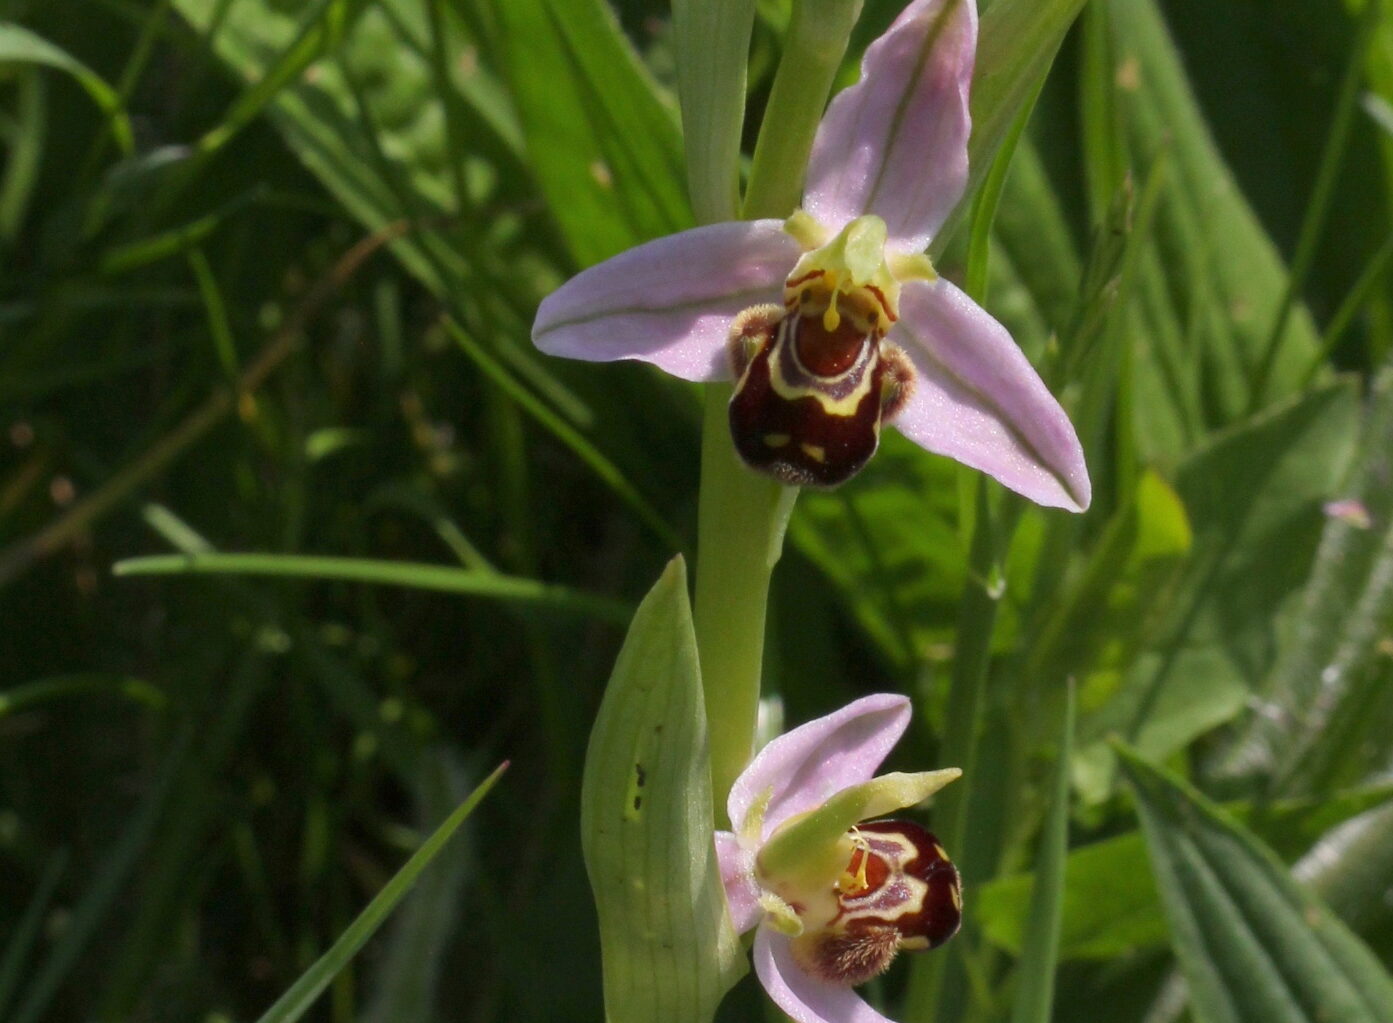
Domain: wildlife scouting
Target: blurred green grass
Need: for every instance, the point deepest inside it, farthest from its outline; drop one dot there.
(292, 321)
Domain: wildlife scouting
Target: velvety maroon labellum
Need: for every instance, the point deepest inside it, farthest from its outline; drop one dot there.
(940, 912)
(808, 401)
(899, 891)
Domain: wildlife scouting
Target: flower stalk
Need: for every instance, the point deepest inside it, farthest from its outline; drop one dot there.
(742, 517)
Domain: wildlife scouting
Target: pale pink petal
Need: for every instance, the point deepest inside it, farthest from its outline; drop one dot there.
(669, 301)
(804, 997)
(737, 874)
(801, 769)
(977, 399)
(895, 143)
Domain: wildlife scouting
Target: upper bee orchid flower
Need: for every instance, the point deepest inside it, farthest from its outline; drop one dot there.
(835, 899)
(834, 321)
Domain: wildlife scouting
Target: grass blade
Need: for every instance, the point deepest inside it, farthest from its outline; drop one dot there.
(1040, 953)
(292, 1005)
(443, 578)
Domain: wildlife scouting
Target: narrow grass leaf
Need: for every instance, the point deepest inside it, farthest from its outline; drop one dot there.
(408, 974)
(1034, 1000)
(18, 45)
(443, 578)
(1252, 943)
(603, 140)
(712, 40)
(302, 994)
(1017, 43)
(99, 896)
(21, 942)
(668, 948)
(41, 691)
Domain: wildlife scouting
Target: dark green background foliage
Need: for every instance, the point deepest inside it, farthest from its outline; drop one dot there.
(279, 305)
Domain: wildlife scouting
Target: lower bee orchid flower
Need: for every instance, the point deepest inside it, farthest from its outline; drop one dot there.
(834, 322)
(835, 899)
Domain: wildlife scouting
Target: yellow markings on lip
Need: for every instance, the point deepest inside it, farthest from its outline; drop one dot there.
(777, 440)
(814, 451)
(844, 407)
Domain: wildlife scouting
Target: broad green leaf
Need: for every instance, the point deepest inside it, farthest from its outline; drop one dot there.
(603, 141)
(891, 546)
(1110, 906)
(1323, 692)
(1034, 998)
(444, 578)
(668, 947)
(1252, 943)
(18, 45)
(1253, 496)
(1098, 624)
(302, 994)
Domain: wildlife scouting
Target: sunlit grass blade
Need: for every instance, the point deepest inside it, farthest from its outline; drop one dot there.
(1040, 952)
(443, 578)
(302, 994)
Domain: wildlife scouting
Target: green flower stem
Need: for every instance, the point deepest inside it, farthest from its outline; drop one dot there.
(817, 38)
(740, 534)
(742, 516)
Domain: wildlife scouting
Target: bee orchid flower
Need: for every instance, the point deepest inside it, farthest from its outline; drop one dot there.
(835, 899)
(834, 321)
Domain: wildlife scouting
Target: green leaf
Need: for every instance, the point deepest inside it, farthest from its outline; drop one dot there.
(1017, 41)
(1253, 496)
(1212, 280)
(666, 939)
(18, 45)
(30, 694)
(1110, 907)
(406, 981)
(302, 994)
(603, 140)
(369, 118)
(1320, 699)
(1252, 943)
(712, 40)
(1034, 999)
(443, 578)
(1095, 629)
